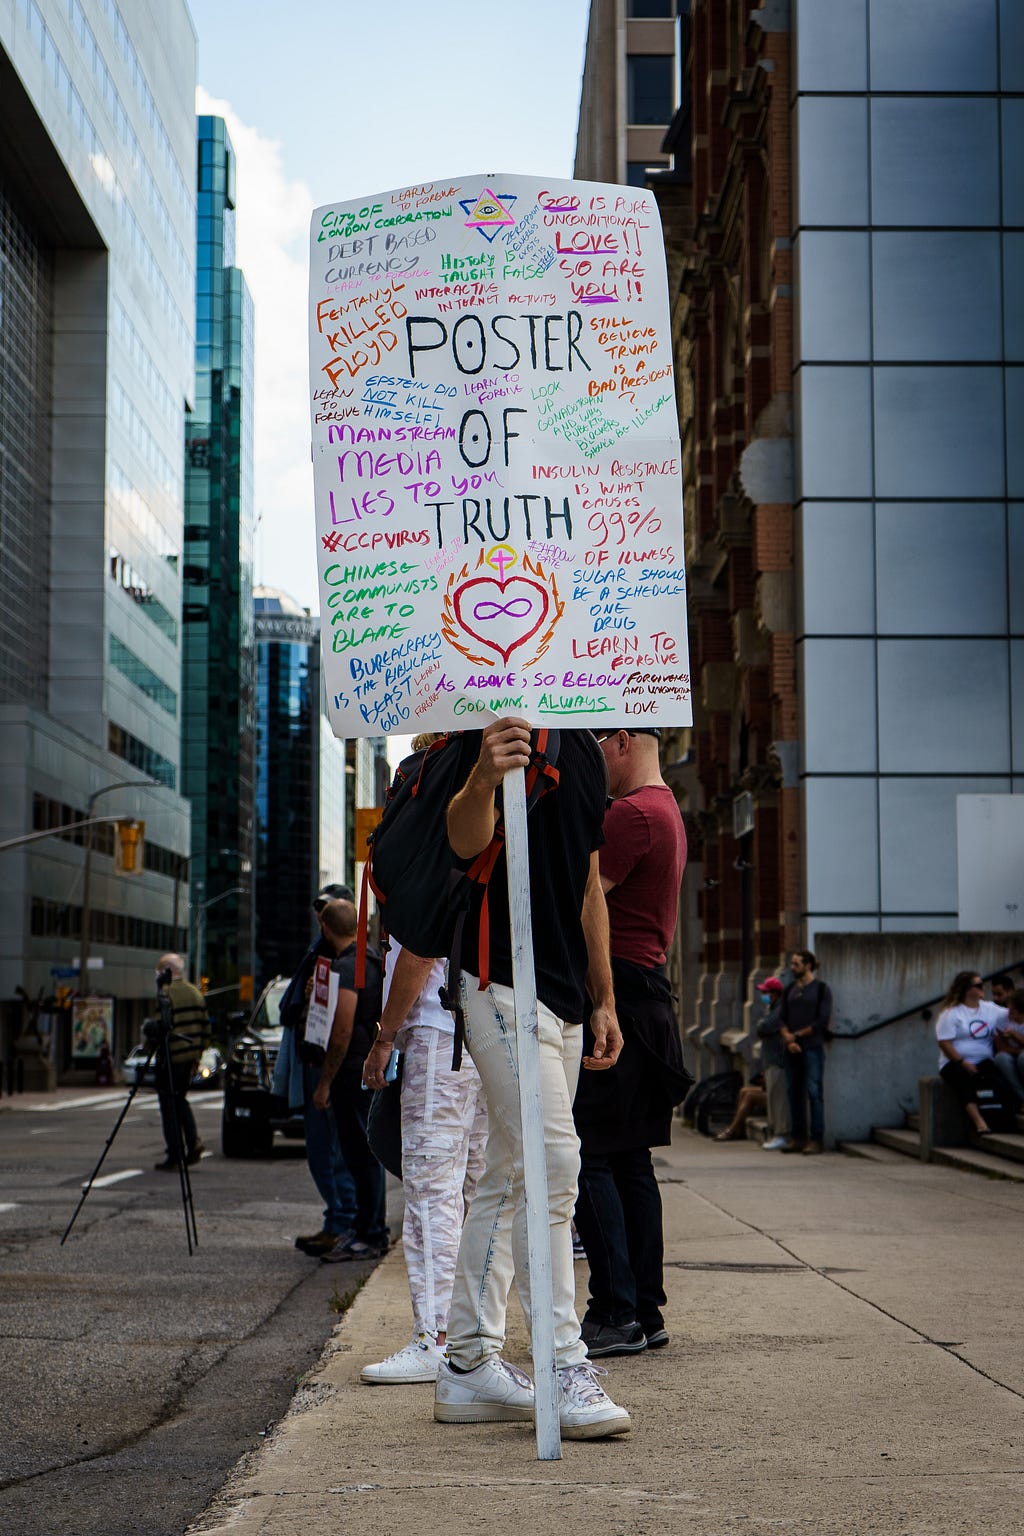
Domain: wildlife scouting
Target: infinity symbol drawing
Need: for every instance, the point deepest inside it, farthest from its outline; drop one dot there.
(518, 608)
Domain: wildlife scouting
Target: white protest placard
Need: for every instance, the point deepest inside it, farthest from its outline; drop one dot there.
(323, 1002)
(496, 458)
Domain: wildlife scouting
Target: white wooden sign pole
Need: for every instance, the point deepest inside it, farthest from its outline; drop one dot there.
(531, 1110)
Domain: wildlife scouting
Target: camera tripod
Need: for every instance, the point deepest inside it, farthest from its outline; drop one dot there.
(160, 1046)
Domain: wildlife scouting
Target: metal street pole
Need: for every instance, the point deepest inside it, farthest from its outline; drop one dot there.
(83, 950)
(233, 890)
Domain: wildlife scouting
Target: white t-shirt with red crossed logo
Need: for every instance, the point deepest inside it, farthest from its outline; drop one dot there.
(971, 1030)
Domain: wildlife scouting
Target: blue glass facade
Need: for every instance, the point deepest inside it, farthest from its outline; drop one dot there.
(218, 692)
(287, 774)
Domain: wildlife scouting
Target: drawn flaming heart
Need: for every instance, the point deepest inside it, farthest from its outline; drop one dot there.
(501, 613)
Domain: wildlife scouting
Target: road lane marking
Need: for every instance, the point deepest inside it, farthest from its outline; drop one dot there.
(9, 1206)
(96, 1098)
(113, 1178)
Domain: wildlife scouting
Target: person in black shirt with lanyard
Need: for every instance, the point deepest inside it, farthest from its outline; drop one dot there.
(806, 1012)
(571, 957)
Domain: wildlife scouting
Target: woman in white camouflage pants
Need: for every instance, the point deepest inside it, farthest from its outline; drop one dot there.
(444, 1128)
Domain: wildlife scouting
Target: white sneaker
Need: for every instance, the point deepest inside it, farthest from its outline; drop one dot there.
(418, 1361)
(585, 1411)
(775, 1145)
(491, 1391)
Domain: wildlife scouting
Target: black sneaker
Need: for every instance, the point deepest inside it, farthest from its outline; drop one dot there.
(169, 1165)
(602, 1339)
(353, 1250)
(657, 1338)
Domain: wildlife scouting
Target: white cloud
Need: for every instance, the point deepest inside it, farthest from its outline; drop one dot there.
(272, 234)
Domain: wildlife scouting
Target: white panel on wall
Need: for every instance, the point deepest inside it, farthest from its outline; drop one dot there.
(990, 862)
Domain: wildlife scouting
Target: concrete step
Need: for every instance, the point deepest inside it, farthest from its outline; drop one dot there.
(914, 1121)
(1002, 1144)
(994, 1164)
(757, 1128)
(898, 1138)
(871, 1151)
(979, 1162)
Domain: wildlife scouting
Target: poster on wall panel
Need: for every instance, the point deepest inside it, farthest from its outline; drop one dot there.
(496, 458)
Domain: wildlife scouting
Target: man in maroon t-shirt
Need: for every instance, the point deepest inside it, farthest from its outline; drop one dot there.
(620, 1118)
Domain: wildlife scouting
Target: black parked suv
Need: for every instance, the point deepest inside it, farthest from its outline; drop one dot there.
(252, 1112)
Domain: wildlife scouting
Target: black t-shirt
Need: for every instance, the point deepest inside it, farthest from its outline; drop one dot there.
(563, 830)
(368, 1004)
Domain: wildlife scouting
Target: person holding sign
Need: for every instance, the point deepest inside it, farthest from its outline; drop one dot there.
(352, 1029)
(570, 943)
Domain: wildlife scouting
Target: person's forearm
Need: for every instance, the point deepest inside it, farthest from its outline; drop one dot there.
(336, 1053)
(411, 972)
(471, 817)
(948, 1049)
(596, 932)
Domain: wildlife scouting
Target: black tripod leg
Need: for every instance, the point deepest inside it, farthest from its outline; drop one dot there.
(181, 1157)
(139, 1074)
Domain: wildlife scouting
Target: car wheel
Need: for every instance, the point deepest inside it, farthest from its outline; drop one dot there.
(245, 1141)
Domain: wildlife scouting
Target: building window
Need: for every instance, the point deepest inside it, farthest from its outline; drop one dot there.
(655, 8)
(144, 678)
(123, 744)
(649, 94)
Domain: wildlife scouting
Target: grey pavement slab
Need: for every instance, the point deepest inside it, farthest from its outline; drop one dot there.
(842, 1363)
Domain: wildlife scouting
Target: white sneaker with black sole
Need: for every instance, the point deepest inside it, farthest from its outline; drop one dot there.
(585, 1411)
(418, 1361)
(491, 1392)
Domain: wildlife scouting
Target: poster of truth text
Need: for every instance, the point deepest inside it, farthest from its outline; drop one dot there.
(496, 458)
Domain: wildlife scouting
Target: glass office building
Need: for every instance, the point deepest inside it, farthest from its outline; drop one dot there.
(218, 704)
(908, 238)
(287, 777)
(97, 242)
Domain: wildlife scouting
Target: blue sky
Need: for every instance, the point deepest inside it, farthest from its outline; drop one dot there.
(326, 103)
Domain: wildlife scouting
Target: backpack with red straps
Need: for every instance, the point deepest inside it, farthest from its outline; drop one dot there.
(422, 890)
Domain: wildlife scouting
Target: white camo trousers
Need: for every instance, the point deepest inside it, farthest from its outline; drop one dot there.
(494, 1248)
(444, 1128)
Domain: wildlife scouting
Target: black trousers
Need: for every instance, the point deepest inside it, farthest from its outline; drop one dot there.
(175, 1110)
(351, 1105)
(966, 1084)
(619, 1219)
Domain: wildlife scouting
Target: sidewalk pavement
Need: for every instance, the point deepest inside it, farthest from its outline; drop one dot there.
(846, 1359)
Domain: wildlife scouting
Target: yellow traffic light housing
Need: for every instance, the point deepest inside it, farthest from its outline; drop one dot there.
(129, 846)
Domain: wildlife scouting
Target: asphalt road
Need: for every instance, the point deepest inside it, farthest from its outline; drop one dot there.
(132, 1376)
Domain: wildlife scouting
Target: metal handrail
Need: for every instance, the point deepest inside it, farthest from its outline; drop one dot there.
(923, 1008)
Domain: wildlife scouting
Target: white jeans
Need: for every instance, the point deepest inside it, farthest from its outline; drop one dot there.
(494, 1248)
(444, 1127)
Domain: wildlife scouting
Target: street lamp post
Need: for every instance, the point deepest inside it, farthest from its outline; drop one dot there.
(233, 890)
(83, 950)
